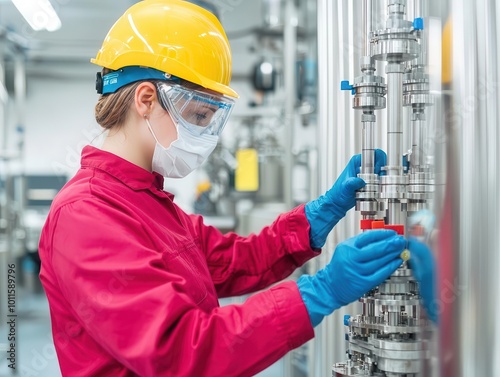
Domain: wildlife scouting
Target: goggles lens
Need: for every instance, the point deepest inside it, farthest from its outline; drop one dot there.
(201, 113)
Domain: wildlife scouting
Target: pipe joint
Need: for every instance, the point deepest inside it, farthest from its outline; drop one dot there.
(370, 118)
(395, 68)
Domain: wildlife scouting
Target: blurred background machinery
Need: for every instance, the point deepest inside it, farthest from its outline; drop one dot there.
(249, 177)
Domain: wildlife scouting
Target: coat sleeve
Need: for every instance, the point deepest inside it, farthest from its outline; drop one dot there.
(240, 265)
(148, 323)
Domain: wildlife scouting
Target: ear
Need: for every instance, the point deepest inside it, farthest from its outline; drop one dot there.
(145, 96)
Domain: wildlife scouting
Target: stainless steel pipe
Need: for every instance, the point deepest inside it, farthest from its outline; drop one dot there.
(395, 214)
(394, 118)
(366, 25)
(290, 58)
(417, 143)
(368, 148)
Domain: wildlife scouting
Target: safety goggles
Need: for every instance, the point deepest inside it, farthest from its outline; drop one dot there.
(201, 113)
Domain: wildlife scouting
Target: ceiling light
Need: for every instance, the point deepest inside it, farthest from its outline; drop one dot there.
(39, 14)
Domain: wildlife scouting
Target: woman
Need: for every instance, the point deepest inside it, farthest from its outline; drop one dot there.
(132, 281)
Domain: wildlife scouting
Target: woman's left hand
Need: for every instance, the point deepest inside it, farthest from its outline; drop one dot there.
(326, 211)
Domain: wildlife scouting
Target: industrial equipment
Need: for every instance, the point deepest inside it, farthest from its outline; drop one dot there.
(389, 337)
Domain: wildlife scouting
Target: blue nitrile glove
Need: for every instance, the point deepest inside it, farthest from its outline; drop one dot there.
(358, 265)
(424, 269)
(326, 211)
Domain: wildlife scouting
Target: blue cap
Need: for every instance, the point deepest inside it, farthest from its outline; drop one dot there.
(347, 317)
(406, 163)
(418, 23)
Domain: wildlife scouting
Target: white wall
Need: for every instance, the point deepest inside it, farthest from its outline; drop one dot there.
(59, 122)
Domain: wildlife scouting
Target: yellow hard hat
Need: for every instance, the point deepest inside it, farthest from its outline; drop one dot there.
(172, 36)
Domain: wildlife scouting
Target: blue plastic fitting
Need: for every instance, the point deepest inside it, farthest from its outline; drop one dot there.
(406, 163)
(347, 317)
(344, 85)
(418, 23)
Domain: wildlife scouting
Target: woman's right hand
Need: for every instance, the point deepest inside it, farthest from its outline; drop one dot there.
(358, 265)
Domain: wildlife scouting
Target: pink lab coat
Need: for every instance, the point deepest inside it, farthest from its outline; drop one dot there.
(133, 281)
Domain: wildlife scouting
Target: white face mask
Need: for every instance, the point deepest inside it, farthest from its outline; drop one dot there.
(184, 155)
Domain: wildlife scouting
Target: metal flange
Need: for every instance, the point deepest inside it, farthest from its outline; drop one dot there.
(371, 102)
(420, 196)
(401, 48)
(385, 329)
(369, 178)
(367, 195)
(424, 99)
(369, 92)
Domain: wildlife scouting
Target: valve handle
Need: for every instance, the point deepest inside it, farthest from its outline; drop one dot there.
(344, 85)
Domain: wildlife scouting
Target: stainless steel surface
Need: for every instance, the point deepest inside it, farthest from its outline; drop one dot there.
(470, 337)
(339, 139)
(386, 339)
(368, 148)
(397, 50)
(366, 26)
(327, 347)
(417, 142)
(395, 214)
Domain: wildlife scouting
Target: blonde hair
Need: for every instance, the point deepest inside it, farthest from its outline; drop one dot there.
(112, 109)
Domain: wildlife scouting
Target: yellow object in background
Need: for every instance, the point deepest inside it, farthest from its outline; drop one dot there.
(247, 172)
(447, 53)
(202, 187)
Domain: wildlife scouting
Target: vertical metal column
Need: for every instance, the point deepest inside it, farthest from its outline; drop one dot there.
(368, 148)
(290, 61)
(367, 66)
(394, 167)
(333, 121)
(394, 118)
(366, 26)
(416, 95)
